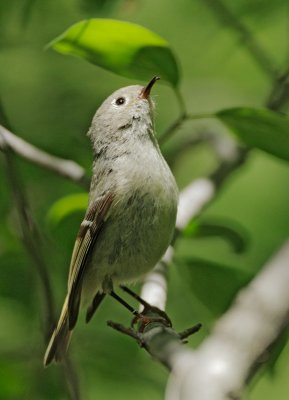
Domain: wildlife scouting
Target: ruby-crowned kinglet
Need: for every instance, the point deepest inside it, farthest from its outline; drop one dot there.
(131, 212)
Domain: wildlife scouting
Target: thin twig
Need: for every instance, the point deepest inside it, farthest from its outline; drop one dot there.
(31, 239)
(180, 121)
(172, 154)
(181, 101)
(158, 339)
(226, 16)
(190, 331)
(126, 331)
(279, 95)
(172, 128)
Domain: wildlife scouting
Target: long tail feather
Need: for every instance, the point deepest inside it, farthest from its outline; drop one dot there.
(60, 338)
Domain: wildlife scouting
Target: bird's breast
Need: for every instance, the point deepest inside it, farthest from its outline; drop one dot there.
(142, 217)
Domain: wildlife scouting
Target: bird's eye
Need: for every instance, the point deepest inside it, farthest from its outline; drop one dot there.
(120, 101)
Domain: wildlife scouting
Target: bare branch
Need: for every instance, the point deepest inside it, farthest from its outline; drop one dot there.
(157, 336)
(219, 368)
(65, 168)
(126, 331)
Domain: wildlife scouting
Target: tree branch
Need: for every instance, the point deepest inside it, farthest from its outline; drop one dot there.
(219, 368)
(65, 168)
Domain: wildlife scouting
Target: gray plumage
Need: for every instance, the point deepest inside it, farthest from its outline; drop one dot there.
(131, 212)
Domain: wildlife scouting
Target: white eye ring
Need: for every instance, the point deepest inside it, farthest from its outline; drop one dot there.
(120, 101)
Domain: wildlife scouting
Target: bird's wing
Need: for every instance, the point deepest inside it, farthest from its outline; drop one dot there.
(89, 230)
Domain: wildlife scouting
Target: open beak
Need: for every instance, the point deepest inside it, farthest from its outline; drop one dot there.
(145, 92)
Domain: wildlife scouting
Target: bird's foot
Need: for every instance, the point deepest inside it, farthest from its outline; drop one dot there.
(149, 315)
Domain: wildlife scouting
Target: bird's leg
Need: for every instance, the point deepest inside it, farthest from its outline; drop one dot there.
(149, 314)
(124, 303)
(134, 295)
(107, 287)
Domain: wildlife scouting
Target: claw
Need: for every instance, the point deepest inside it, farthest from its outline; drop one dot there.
(150, 315)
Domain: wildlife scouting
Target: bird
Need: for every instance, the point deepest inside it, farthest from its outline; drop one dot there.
(131, 212)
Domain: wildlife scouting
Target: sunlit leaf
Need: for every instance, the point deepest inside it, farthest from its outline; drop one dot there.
(65, 206)
(261, 128)
(122, 47)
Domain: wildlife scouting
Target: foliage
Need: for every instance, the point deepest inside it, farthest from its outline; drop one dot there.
(264, 129)
(122, 47)
(49, 101)
(65, 206)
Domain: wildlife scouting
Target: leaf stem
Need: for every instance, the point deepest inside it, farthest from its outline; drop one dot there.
(201, 115)
(179, 121)
(184, 116)
(181, 101)
(171, 128)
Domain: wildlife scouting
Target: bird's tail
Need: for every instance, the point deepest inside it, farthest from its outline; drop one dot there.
(60, 338)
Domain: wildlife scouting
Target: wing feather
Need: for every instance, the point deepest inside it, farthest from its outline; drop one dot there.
(89, 230)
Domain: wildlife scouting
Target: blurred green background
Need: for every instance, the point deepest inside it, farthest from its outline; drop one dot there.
(49, 100)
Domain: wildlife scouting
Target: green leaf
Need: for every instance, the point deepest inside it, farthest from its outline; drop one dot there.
(121, 47)
(214, 284)
(235, 238)
(261, 128)
(191, 229)
(65, 206)
(229, 231)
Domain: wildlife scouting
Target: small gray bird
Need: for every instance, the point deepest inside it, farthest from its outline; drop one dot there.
(131, 212)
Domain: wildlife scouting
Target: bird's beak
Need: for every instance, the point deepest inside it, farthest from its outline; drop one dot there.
(145, 92)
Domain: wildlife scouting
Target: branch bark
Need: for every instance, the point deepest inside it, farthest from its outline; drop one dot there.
(219, 368)
(65, 168)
